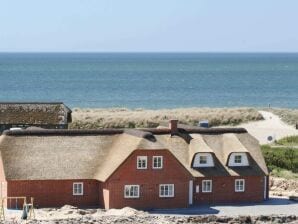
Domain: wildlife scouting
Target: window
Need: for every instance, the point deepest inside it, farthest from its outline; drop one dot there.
(239, 185)
(132, 191)
(207, 186)
(77, 189)
(142, 162)
(238, 159)
(203, 159)
(166, 190)
(157, 162)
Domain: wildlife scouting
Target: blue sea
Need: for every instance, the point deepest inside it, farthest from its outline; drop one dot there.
(151, 80)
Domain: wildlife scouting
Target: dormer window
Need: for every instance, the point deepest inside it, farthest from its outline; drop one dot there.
(203, 159)
(238, 159)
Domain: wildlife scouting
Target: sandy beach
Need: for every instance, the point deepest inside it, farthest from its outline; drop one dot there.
(272, 126)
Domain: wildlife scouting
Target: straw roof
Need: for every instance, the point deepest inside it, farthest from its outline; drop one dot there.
(31, 113)
(44, 155)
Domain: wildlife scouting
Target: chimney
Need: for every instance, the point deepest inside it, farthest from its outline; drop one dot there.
(173, 126)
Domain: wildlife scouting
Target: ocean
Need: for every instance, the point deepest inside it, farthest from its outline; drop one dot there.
(151, 80)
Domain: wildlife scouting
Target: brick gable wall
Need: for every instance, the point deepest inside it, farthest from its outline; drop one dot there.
(149, 179)
(54, 193)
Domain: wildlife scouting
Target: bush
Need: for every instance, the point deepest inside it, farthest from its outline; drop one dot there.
(284, 158)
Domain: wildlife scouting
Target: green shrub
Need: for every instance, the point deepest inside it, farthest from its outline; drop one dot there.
(284, 158)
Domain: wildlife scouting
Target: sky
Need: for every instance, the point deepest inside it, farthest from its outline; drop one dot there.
(149, 26)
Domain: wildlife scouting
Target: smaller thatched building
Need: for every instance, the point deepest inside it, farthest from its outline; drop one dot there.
(140, 168)
(52, 115)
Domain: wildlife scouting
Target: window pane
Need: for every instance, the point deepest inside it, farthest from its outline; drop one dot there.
(238, 159)
(157, 162)
(142, 162)
(203, 159)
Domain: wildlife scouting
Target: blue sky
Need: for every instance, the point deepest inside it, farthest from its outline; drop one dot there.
(149, 26)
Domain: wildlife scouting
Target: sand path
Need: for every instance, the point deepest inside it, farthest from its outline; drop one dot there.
(272, 126)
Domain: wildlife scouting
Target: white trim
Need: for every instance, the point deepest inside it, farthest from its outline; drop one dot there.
(197, 188)
(156, 157)
(243, 184)
(168, 195)
(132, 196)
(265, 187)
(79, 184)
(142, 158)
(204, 190)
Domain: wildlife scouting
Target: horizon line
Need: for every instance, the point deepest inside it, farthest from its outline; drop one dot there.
(148, 52)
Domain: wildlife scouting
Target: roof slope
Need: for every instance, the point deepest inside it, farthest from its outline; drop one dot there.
(33, 113)
(97, 156)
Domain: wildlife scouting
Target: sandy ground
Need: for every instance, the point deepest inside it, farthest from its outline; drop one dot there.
(277, 207)
(272, 126)
(283, 187)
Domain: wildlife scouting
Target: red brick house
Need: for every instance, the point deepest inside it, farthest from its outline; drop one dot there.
(148, 168)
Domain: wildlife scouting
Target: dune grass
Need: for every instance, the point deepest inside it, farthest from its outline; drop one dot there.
(287, 174)
(288, 141)
(142, 118)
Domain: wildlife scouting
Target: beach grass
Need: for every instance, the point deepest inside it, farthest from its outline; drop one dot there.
(145, 118)
(288, 141)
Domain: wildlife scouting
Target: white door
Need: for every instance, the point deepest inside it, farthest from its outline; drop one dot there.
(190, 191)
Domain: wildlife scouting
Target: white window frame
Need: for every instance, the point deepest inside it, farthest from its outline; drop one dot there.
(205, 160)
(161, 162)
(236, 185)
(167, 195)
(75, 188)
(236, 161)
(142, 158)
(203, 186)
(131, 186)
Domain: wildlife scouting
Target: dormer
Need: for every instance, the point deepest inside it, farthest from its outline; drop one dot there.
(203, 159)
(238, 159)
(200, 154)
(235, 153)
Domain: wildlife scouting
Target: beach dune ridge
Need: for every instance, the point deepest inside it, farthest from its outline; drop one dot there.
(84, 118)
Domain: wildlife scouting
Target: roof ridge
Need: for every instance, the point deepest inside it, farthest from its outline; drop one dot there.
(110, 131)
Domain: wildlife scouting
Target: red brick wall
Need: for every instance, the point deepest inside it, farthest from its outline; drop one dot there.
(128, 174)
(223, 190)
(3, 183)
(55, 193)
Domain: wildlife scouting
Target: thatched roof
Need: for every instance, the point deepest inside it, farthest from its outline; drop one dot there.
(34, 113)
(42, 154)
